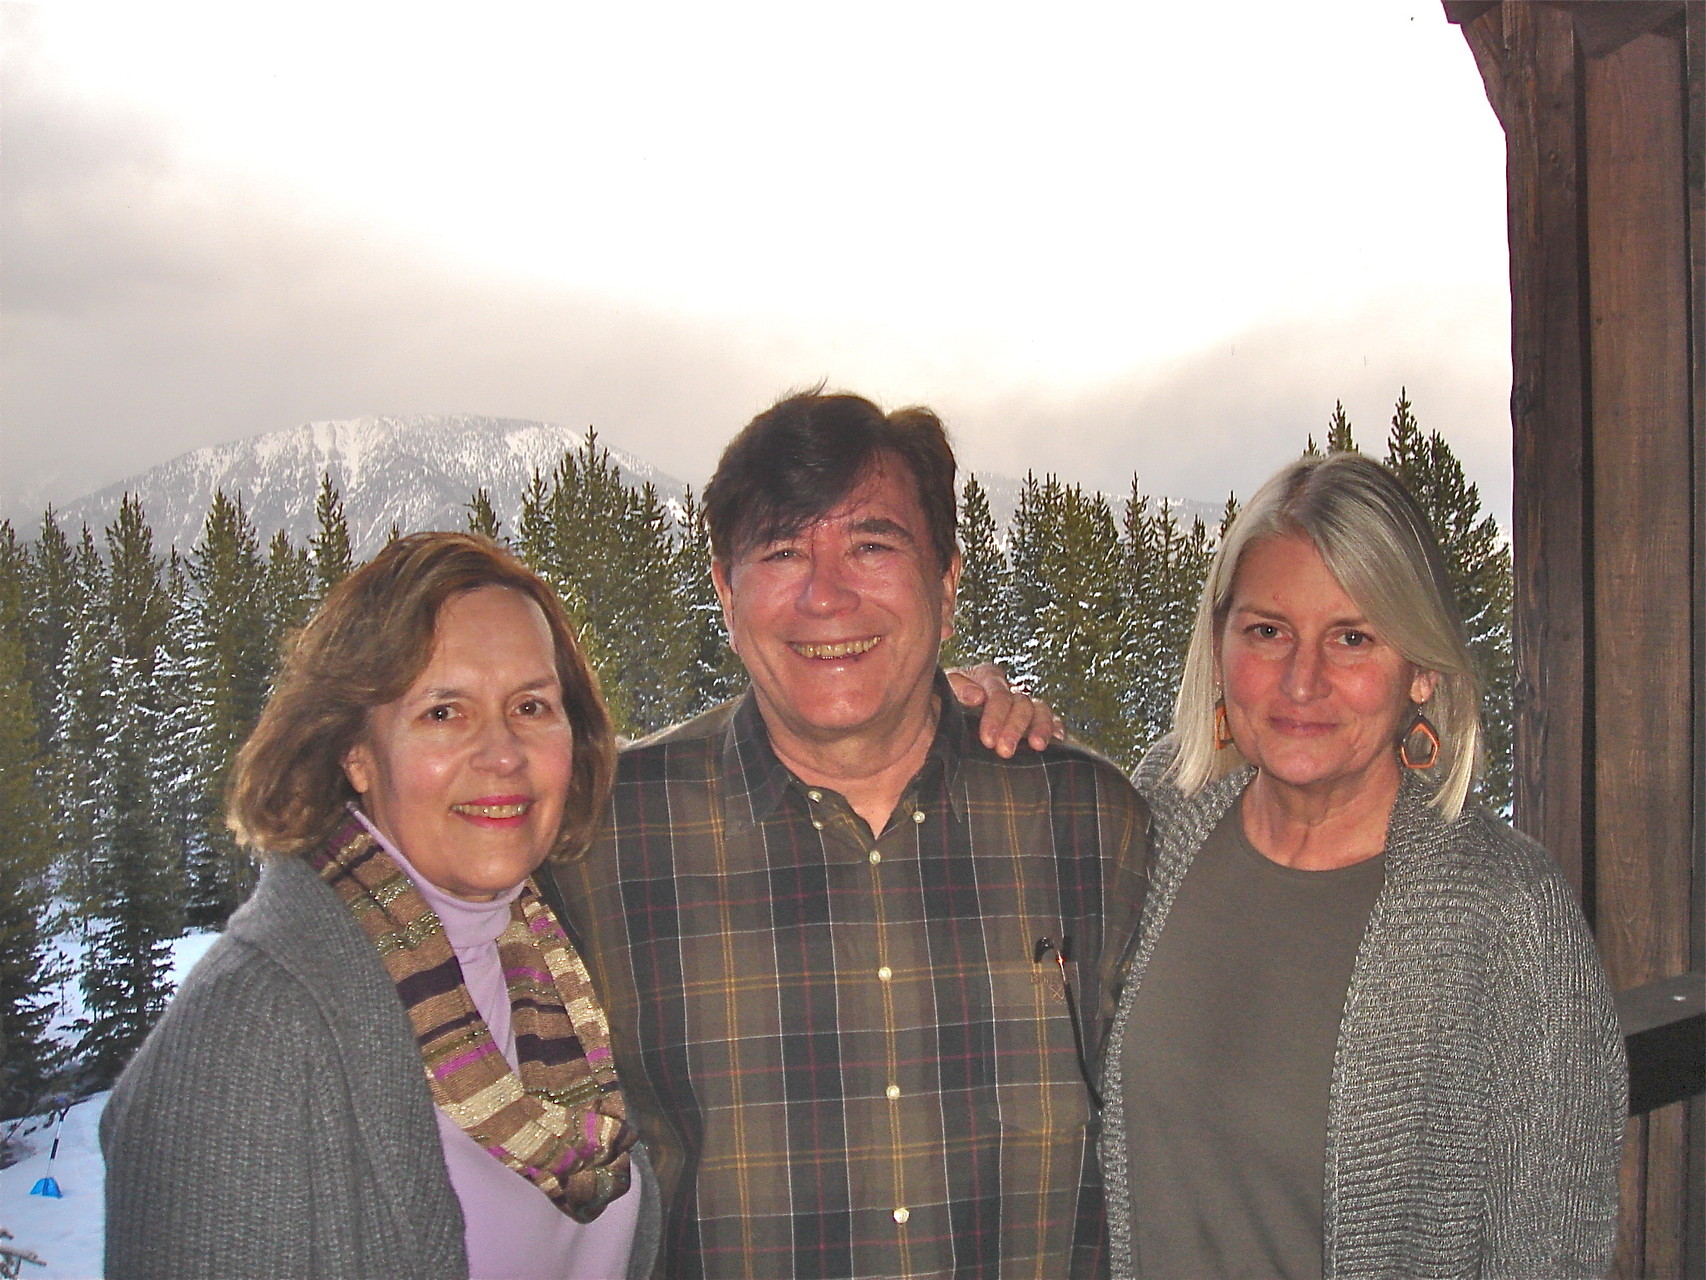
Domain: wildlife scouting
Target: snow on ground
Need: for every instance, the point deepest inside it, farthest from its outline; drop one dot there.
(68, 1234)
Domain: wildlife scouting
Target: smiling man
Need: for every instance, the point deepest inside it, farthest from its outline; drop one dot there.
(856, 961)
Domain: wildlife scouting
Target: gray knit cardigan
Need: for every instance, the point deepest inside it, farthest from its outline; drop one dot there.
(1478, 1090)
(277, 1122)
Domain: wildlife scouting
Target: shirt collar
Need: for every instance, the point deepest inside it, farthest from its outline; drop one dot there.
(755, 780)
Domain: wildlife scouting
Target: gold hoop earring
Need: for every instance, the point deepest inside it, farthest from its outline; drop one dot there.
(1419, 747)
(1222, 730)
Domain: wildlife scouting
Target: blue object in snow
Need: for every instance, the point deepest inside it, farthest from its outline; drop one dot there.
(48, 1186)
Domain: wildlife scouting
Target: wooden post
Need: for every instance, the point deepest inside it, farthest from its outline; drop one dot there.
(1605, 127)
(1643, 555)
(1551, 534)
(1694, 157)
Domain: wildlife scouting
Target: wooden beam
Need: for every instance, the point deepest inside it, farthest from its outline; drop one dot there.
(1605, 26)
(1694, 57)
(1642, 529)
(1643, 541)
(1485, 32)
(1664, 1030)
(1462, 12)
(1551, 534)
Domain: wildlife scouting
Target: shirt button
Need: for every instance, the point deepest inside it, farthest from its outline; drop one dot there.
(901, 1215)
(884, 974)
(876, 857)
(817, 823)
(814, 796)
(918, 815)
(892, 1092)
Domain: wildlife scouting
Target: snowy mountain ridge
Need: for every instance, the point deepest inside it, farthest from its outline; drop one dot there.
(417, 472)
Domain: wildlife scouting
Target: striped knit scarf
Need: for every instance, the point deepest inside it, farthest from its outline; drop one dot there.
(562, 1124)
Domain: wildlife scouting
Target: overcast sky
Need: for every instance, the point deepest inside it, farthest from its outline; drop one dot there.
(1099, 238)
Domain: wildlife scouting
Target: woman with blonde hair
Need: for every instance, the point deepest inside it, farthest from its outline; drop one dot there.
(1365, 1031)
(393, 1062)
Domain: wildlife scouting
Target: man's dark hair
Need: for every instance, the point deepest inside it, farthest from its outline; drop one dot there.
(799, 459)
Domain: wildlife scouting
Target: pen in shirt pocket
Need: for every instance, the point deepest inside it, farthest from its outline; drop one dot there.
(1062, 955)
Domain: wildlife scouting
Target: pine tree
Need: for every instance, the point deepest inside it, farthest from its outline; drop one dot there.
(1078, 632)
(533, 525)
(610, 552)
(1478, 560)
(136, 594)
(289, 591)
(176, 772)
(716, 673)
(1165, 567)
(1029, 558)
(1338, 435)
(133, 911)
(132, 889)
(481, 518)
(329, 548)
(82, 703)
(50, 596)
(1339, 438)
(983, 630)
(1228, 514)
(27, 1058)
(229, 665)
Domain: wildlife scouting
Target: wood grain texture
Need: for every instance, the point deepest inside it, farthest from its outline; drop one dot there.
(1694, 57)
(1643, 573)
(1642, 507)
(1551, 535)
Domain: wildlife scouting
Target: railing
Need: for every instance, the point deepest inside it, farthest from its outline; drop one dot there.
(1664, 1027)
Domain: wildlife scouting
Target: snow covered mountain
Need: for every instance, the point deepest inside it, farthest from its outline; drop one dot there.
(415, 472)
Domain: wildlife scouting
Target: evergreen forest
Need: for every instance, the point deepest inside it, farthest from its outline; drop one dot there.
(130, 674)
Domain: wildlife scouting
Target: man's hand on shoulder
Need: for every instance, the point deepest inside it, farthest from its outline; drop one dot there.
(1009, 715)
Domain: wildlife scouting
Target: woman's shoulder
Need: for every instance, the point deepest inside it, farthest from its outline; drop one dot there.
(291, 962)
(270, 953)
(1479, 858)
(1482, 842)
(291, 981)
(295, 917)
(1172, 807)
(1153, 769)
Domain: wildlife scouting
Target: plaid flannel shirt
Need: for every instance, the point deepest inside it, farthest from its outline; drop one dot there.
(841, 1051)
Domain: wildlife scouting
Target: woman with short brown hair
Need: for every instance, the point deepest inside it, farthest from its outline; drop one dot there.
(393, 1062)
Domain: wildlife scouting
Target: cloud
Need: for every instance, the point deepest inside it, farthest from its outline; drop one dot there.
(1225, 418)
(152, 308)
(154, 304)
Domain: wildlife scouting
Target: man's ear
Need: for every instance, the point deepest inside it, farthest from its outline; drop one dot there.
(725, 597)
(950, 592)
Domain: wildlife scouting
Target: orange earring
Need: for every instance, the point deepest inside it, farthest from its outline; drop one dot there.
(1419, 747)
(1222, 730)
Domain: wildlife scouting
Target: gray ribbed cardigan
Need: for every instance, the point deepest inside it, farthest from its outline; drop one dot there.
(277, 1123)
(1478, 1091)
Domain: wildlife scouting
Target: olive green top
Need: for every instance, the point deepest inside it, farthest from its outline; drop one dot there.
(1227, 1058)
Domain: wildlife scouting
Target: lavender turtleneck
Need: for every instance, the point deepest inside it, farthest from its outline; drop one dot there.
(513, 1231)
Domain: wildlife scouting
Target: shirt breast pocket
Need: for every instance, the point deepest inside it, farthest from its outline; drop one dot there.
(1034, 1079)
